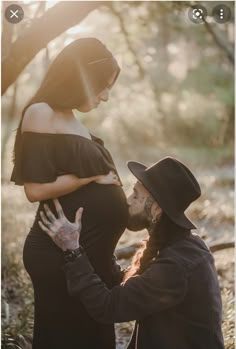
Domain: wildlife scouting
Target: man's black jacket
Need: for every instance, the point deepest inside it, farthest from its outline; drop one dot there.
(176, 302)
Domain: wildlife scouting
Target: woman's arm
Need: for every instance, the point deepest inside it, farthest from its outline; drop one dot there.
(63, 185)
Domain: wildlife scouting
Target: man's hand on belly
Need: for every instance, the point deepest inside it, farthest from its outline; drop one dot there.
(62, 232)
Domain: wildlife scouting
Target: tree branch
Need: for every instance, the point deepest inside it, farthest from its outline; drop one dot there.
(129, 251)
(128, 41)
(221, 246)
(220, 41)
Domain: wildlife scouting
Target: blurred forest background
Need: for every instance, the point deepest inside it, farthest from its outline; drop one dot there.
(174, 96)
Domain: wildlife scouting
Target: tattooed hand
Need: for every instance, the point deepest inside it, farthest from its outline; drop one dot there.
(63, 233)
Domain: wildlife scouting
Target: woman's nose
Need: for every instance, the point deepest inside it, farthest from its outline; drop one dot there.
(129, 200)
(104, 95)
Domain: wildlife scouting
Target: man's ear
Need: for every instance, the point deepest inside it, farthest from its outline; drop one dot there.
(155, 210)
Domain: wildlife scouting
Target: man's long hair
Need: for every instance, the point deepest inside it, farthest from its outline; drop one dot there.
(164, 233)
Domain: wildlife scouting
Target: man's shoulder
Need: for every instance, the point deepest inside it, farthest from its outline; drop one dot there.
(188, 252)
(194, 242)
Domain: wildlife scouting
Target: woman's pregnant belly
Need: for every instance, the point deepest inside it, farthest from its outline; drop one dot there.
(103, 222)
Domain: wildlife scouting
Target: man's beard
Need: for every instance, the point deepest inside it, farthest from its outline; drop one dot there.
(138, 222)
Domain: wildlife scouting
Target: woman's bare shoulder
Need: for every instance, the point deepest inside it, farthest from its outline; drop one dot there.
(37, 118)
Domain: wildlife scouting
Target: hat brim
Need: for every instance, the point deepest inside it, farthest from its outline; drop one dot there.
(138, 170)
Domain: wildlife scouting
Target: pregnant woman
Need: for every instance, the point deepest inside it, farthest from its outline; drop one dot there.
(56, 156)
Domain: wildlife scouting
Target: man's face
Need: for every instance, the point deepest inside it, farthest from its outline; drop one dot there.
(142, 208)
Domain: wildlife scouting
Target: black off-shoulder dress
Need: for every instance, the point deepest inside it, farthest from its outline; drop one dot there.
(61, 322)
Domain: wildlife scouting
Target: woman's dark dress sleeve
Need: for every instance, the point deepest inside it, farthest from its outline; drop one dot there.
(43, 157)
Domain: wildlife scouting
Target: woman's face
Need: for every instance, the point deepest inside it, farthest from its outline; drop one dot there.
(103, 96)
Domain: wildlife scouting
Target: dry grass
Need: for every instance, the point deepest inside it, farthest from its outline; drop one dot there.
(213, 213)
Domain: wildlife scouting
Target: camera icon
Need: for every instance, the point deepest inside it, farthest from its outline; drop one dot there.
(197, 14)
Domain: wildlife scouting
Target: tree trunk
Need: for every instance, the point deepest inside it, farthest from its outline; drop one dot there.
(8, 123)
(44, 29)
(221, 41)
(7, 33)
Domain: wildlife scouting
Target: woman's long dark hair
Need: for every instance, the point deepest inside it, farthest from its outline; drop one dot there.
(81, 70)
(165, 232)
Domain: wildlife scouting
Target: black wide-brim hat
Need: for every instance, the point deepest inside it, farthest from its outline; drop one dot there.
(171, 184)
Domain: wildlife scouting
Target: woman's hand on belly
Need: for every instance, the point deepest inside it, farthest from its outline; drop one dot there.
(110, 178)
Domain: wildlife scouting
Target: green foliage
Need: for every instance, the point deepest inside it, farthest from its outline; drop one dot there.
(162, 55)
(176, 84)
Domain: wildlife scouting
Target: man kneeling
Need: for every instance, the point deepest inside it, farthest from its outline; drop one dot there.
(172, 290)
